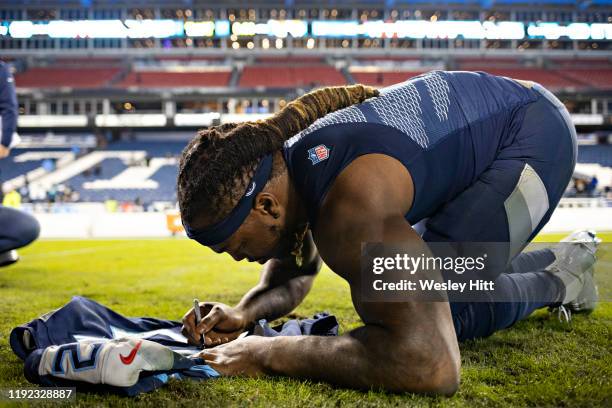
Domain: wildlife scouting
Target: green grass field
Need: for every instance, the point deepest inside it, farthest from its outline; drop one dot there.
(539, 362)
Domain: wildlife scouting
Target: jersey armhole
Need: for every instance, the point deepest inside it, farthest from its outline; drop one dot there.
(345, 146)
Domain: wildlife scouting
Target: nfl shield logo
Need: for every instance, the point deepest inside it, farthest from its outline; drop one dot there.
(318, 153)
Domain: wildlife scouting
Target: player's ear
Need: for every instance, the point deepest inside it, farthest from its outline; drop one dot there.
(267, 204)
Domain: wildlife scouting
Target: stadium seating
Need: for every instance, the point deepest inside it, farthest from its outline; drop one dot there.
(600, 79)
(482, 64)
(157, 184)
(121, 171)
(188, 58)
(581, 63)
(301, 71)
(88, 61)
(549, 78)
(289, 60)
(22, 161)
(126, 171)
(160, 185)
(599, 154)
(161, 79)
(382, 78)
(290, 76)
(55, 77)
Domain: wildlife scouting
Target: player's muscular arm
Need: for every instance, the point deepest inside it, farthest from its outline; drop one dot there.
(282, 286)
(408, 346)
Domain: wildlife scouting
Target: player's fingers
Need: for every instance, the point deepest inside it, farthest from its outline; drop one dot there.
(218, 367)
(187, 316)
(211, 339)
(215, 335)
(208, 355)
(189, 328)
(185, 332)
(210, 320)
(222, 337)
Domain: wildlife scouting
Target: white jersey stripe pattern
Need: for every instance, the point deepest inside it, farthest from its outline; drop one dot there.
(399, 106)
(347, 115)
(438, 90)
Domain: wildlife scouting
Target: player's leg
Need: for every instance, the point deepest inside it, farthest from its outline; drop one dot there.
(487, 221)
(17, 229)
(511, 202)
(529, 261)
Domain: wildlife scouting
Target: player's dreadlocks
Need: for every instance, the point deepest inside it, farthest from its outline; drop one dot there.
(216, 165)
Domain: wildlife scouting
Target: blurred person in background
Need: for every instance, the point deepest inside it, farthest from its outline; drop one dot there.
(592, 186)
(17, 229)
(12, 199)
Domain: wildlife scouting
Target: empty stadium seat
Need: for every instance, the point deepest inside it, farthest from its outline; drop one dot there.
(161, 79)
(548, 78)
(65, 77)
(164, 177)
(291, 76)
(383, 78)
(592, 78)
(482, 64)
(599, 154)
(302, 59)
(18, 164)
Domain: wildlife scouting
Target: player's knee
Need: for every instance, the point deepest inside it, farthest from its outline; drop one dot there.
(28, 229)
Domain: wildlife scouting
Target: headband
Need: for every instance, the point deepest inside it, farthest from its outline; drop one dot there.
(218, 232)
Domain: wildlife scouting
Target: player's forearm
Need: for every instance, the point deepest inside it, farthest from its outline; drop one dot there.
(282, 287)
(365, 358)
(271, 302)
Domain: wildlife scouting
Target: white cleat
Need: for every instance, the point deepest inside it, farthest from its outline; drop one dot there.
(588, 238)
(574, 261)
(8, 258)
(586, 301)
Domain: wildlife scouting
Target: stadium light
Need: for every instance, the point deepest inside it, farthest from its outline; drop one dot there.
(195, 119)
(416, 29)
(47, 121)
(222, 28)
(131, 119)
(200, 28)
(601, 31)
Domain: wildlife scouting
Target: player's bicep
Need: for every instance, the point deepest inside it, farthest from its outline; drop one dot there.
(362, 207)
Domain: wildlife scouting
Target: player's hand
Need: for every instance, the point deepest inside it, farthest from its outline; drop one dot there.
(241, 357)
(4, 151)
(220, 323)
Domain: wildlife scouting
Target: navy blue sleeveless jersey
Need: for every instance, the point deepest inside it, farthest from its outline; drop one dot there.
(445, 127)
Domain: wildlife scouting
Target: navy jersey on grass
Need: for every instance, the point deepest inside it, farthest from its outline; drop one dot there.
(87, 345)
